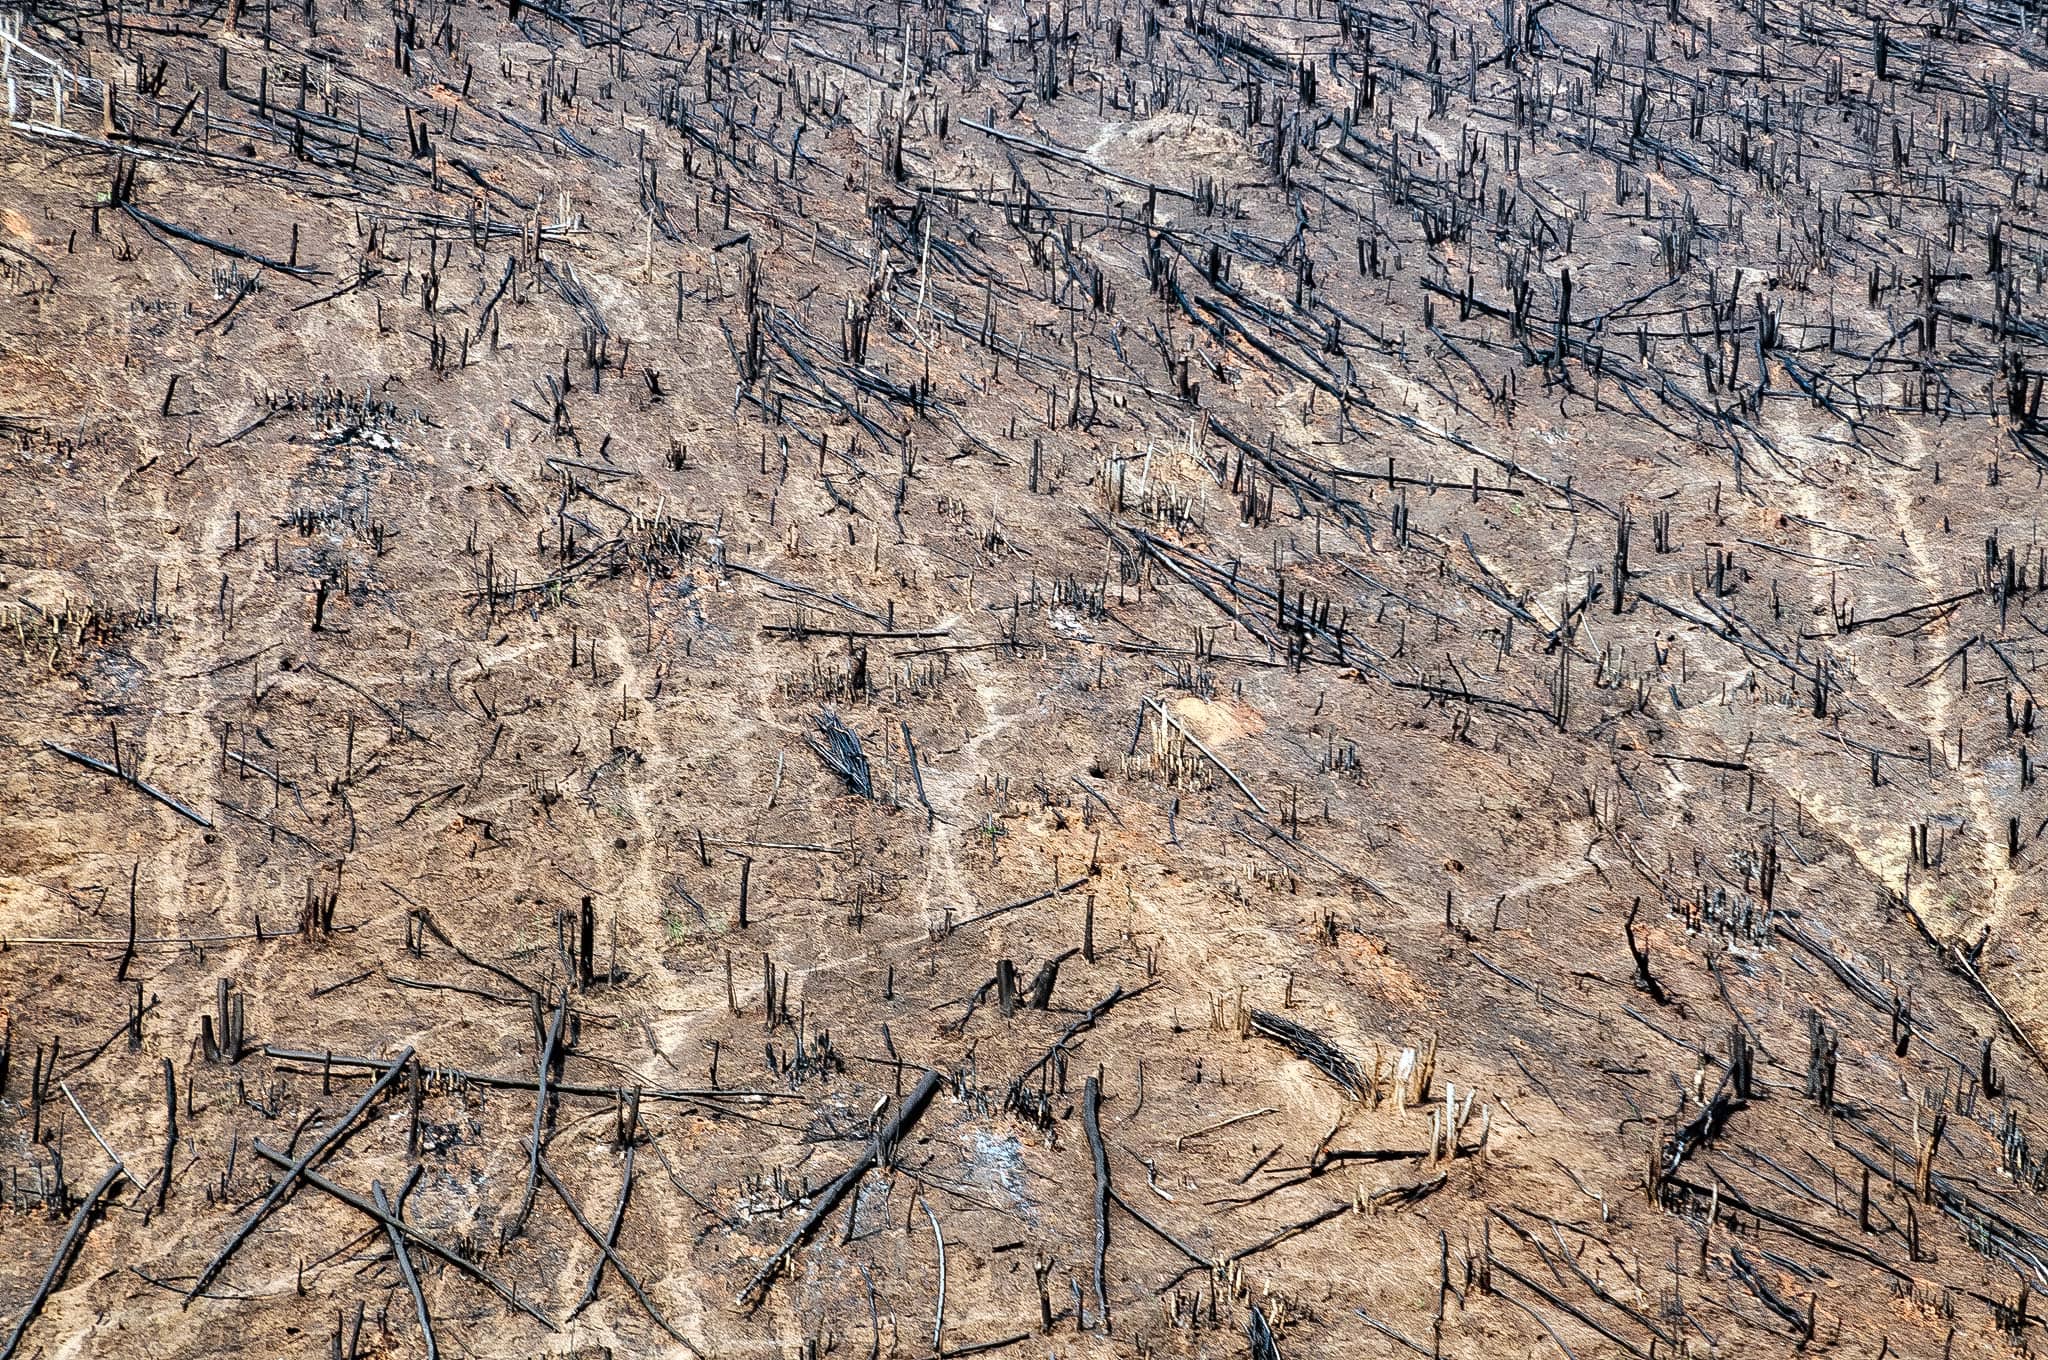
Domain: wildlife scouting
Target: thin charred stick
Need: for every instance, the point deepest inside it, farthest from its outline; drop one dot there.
(128, 954)
(586, 943)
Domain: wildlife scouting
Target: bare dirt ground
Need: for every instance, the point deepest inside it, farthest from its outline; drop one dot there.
(1132, 679)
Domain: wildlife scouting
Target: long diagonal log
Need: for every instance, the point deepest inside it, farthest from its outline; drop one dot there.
(611, 1237)
(126, 778)
(1031, 901)
(405, 1270)
(907, 1115)
(1082, 1025)
(426, 919)
(151, 220)
(1214, 759)
(1091, 1120)
(938, 1245)
(337, 1061)
(80, 1222)
(917, 776)
(283, 1189)
(1384, 1330)
(540, 1110)
(612, 1257)
(1116, 1197)
(1292, 1230)
(410, 1233)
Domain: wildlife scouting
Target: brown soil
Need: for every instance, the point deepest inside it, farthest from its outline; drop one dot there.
(1386, 513)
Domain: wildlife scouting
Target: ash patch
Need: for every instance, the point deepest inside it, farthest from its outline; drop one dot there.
(996, 1164)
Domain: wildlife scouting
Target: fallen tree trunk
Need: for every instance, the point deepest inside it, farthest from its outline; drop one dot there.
(906, 1118)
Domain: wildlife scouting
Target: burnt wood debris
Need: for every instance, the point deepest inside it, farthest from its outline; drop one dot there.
(948, 677)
